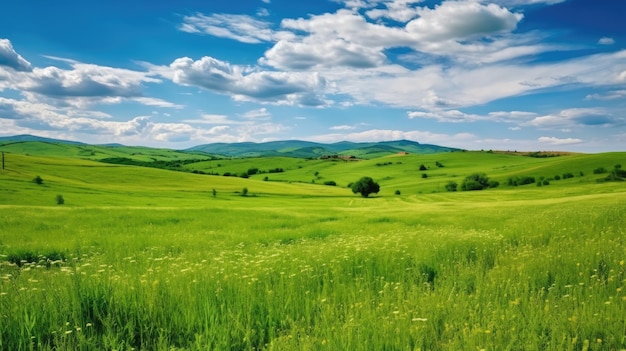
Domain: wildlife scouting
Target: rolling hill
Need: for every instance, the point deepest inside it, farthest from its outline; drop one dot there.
(307, 149)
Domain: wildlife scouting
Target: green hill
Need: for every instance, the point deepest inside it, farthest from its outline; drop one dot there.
(75, 170)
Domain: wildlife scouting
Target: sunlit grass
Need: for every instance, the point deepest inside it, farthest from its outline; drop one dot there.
(148, 259)
(550, 278)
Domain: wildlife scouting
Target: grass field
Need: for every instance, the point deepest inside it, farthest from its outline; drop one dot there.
(148, 259)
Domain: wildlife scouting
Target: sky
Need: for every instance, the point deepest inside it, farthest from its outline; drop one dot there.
(474, 74)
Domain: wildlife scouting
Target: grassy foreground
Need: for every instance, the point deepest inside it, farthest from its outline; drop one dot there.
(293, 269)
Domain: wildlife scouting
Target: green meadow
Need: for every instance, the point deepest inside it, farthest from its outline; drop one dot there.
(141, 258)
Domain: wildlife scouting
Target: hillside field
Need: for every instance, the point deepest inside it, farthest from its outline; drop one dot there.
(142, 258)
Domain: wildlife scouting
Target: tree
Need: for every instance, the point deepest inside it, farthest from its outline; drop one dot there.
(475, 181)
(365, 186)
(38, 180)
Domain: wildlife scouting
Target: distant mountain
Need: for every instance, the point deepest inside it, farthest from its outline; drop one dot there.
(286, 148)
(306, 149)
(27, 137)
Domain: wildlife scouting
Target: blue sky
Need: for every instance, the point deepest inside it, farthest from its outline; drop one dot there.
(473, 74)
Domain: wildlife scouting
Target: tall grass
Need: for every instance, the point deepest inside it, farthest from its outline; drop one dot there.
(525, 275)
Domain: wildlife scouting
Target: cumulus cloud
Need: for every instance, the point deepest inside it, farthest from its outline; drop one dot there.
(10, 58)
(85, 80)
(246, 84)
(459, 20)
(398, 10)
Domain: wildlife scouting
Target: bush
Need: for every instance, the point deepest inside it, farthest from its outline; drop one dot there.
(493, 184)
(523, 180)
(253, 171)
(439, 164)
(546, 182)
(451, 186)
(475, 181)
(38, 180)
(557, 177)
(599, 170)
(365, 186)
(60, 200)
(244, 192)
(397, 192)
(422, 167)
(330, 182)
(424, 175)
(568, 175)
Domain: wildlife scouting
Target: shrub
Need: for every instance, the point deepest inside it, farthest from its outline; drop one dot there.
(253, 171)
(422, 167)
(546, 182)
(244, 192)
(475, 181)
(451, 186)
(38, 180)
(424, 175)
(523, 180)
(60, 200)
(330, 182)
(439, 164)
(599, 170)
(557, 177)
(397, 192)
(365, 186)
(493, 184)
(568, 175)
(214, 192)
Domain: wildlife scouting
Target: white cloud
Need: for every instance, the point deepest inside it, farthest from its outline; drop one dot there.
(10, 58)
(577, 117)
(245, 84)
(148, 101)
(212, 119)
(462, 20)
(515, 3)
(606, 41)
(438, 86)
(258, 114)
(611, 95)
(243, 28)
(453, 116)
(557, 141)
(398, 10)
(342, 127)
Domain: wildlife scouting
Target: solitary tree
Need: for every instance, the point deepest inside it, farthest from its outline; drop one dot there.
(365, 186)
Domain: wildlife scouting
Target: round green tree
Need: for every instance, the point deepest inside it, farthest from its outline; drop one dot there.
(365, 186)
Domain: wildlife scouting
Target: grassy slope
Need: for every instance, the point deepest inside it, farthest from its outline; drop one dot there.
(154, 262)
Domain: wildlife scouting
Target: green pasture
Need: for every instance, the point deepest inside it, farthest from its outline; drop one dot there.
(148, 259)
